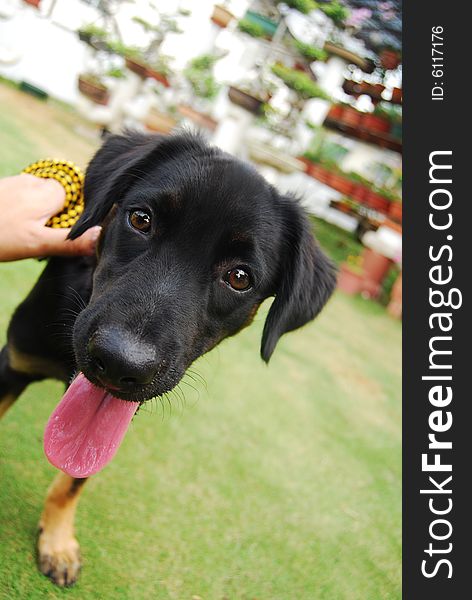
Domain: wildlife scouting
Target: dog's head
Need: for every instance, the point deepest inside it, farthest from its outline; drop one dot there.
(193, 241)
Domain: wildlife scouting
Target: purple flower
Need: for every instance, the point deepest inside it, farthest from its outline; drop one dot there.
(358, 16)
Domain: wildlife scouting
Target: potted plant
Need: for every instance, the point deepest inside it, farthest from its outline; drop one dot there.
(253, 93)
(336, 11)
(92, 86)
(264, 20)
(390, 58)
(336, 112)
(300, 82)
(353, 88)
(352, 117)
(375, 265)
(246, 99)
(148, 62)
(167, 24)
(311, 53)
(159, 70)
(376, 122)
(94, 36)
(359, 192)
(394, 307)
(340, 183)
(396, 211)
(303, 6)
(137, 67)
(312, 159)
(251, 28)
(199, 73)
(221, 15)
(321, 173)
(160, 122)
(377, 201)
(350, 276)
(376, 90)
(397, 95)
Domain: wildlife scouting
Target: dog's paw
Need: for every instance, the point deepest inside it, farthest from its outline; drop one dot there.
(59, 558)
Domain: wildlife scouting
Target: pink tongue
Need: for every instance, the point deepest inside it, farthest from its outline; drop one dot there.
(86, 429)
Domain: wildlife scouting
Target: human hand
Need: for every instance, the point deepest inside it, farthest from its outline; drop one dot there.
(26, 204)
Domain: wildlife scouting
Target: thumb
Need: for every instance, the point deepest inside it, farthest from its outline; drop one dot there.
(55, 242)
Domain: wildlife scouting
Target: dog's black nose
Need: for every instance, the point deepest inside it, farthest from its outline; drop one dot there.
(120, 360)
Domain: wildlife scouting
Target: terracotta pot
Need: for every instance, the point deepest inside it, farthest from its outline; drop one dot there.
(160, 122)
(319, 172)
(341, 206)
(370, 289)
(137, 67)
(316, 171)
(377, 202)
(376, 123)
(306, 162)
(390, 59)
(375, 266)
(394, 307)
(392, 225)
(157, 76)
(201, 119)
(352, 87)
(396, 211)
(96, 92)
(341, 184)
(376, 90)
(359, 192)
(349, 281)
(336, 112)
(351, 117)
(245, 100)
(221, 16)
(397, 95)
(34, 3)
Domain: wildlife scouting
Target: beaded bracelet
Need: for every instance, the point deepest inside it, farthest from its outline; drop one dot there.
(71, 178)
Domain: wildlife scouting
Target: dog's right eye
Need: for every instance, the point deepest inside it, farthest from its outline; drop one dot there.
(140, 220)
(238, 279)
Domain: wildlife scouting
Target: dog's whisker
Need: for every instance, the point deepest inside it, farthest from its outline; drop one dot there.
(161, 402)
(180, 396)
(74, 296)
(197, 378)
(191, 386)
(70, 312)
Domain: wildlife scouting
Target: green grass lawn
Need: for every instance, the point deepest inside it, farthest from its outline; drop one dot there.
(267, 483)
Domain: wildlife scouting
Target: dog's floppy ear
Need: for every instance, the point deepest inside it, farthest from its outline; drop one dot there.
(121, 161)
(108, 175)
(306, 278)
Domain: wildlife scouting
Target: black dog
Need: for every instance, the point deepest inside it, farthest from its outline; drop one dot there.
(193, 241)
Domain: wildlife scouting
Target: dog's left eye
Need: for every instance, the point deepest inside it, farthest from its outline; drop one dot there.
(140, 220)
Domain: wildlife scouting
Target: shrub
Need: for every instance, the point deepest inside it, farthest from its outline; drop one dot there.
(336, 11)
(199, 75)
(304, 6)
(310, 52)
(95, 31)
(300, 82)
(122, 50)
(251, 28)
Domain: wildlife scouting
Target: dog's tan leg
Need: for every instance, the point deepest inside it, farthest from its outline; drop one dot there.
(5, 402)
(58, 550)
(12, 381)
